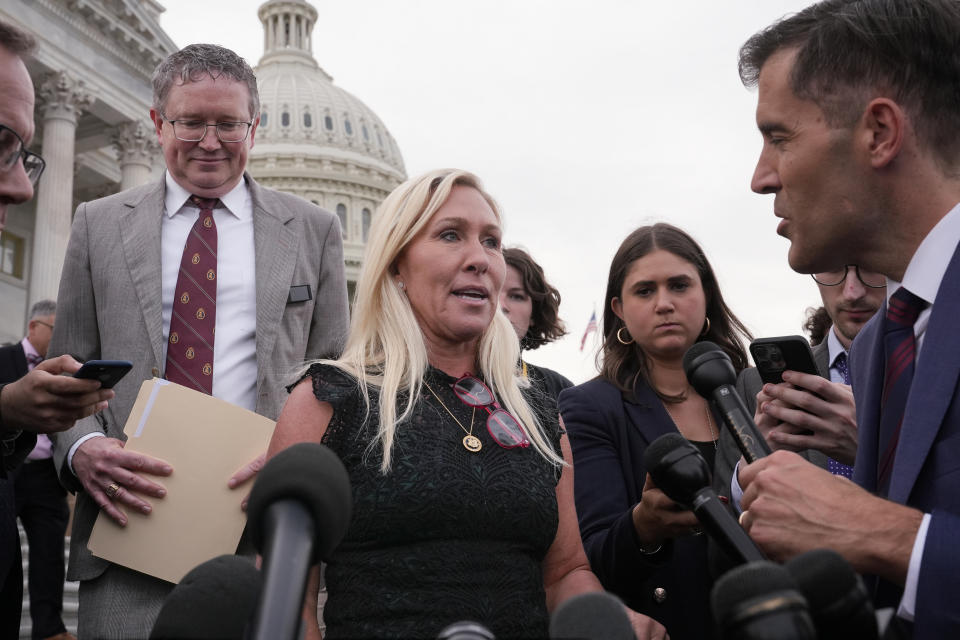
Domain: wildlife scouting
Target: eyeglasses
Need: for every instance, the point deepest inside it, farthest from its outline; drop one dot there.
(46, 324)
(12, 149)
(195, 130)
(866, 278)
(503, 427)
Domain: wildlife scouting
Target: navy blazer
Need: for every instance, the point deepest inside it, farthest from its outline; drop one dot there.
(609, 433)
(926, 470)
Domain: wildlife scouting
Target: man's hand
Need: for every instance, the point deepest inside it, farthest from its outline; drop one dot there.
(246, 472)
(791, 506)
(818, 415)
(107, 472)
(43, 401)
(657, 518)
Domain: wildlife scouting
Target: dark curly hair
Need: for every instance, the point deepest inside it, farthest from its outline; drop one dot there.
(545, 323)
(623, 364)
(817, 324)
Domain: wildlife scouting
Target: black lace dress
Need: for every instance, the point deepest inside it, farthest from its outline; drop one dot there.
(447, 535)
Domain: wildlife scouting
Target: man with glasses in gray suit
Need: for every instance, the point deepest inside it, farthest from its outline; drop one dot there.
(204, 278)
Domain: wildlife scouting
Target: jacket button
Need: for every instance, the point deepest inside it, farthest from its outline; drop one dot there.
(659, 595)
(155, 372)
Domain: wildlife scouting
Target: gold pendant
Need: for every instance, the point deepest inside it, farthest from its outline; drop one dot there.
(472, 443)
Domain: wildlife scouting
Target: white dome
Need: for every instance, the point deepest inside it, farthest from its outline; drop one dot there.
(302, 111)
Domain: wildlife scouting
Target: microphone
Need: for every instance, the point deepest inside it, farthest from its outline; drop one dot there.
(760, 601)
(214, 600)
(298, 512)
(839, 603)
(596, 615)
(466, 630)
(711, 373)
(680, 471)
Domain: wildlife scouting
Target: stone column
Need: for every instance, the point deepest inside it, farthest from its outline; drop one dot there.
(61, 100)
(136, 146)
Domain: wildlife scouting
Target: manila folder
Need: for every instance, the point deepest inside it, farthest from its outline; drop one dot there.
(205, 440)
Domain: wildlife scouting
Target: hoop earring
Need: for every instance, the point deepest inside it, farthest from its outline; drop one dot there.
(620, 336)
(706, 329)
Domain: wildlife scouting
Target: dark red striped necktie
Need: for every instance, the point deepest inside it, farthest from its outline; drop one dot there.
(900, 348)
(192, 323)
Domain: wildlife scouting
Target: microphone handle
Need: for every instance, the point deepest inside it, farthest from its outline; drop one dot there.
(739, 423)
(288, 546)
(723, 528)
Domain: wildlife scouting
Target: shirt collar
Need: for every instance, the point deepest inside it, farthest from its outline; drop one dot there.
(235, 201)
(929, 263)
(834, 348)
(28, 349)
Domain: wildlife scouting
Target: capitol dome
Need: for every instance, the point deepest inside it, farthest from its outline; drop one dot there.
(315, 139)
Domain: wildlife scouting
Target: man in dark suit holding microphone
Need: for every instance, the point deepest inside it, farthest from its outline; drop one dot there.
(859, 111)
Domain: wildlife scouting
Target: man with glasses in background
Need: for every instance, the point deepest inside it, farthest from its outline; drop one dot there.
(204, 278)
(41, 401)
(41, 501)
(812, 415)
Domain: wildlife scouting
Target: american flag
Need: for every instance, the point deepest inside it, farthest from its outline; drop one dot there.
(591, 327)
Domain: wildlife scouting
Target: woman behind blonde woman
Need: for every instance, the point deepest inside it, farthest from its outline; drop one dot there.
(662, 297)
(463, 506)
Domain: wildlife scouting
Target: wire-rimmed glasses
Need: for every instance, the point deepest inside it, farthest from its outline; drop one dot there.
(866, 278)
(12, 149)
(505, 430)
(195, 130)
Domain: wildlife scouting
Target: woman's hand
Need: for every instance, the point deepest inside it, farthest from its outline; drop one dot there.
(657, 518)
(645, 627)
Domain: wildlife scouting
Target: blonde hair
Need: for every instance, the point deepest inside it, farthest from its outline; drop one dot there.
(386, 349)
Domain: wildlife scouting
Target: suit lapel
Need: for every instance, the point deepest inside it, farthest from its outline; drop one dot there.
(821, 356)
(140, 237)
(867, 364)
(276, 246)
(933, 386)
(645, 411)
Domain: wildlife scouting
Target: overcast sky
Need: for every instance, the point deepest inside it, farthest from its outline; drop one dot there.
(584, 120)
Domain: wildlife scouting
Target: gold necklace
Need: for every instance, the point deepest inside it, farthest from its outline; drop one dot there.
(713, 434)
(470, 442)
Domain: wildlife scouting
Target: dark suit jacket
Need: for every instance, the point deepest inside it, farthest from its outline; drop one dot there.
(13, 366)
(748, 386)
(608, 434)
(926, 470)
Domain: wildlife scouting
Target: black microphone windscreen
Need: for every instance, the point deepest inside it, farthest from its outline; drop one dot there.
(748, 581)
(591, 616)
(839, 602)
(313, 475)
(215, 599)
(661, 447)
(707, 367)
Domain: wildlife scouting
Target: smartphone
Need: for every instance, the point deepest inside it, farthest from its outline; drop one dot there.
(108, 372)
(773, 356)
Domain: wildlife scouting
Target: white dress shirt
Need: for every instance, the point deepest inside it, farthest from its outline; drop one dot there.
(235, 345)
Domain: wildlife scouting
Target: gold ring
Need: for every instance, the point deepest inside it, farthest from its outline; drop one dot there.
(113, 490)
(740, 519)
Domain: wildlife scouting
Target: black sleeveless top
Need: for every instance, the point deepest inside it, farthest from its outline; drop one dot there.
(446, 535)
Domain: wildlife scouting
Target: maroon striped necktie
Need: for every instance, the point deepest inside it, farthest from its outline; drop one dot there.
(900, 346)
(192, 323)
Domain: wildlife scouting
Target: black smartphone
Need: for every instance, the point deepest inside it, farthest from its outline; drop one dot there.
(773, 356)
(108, 372)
